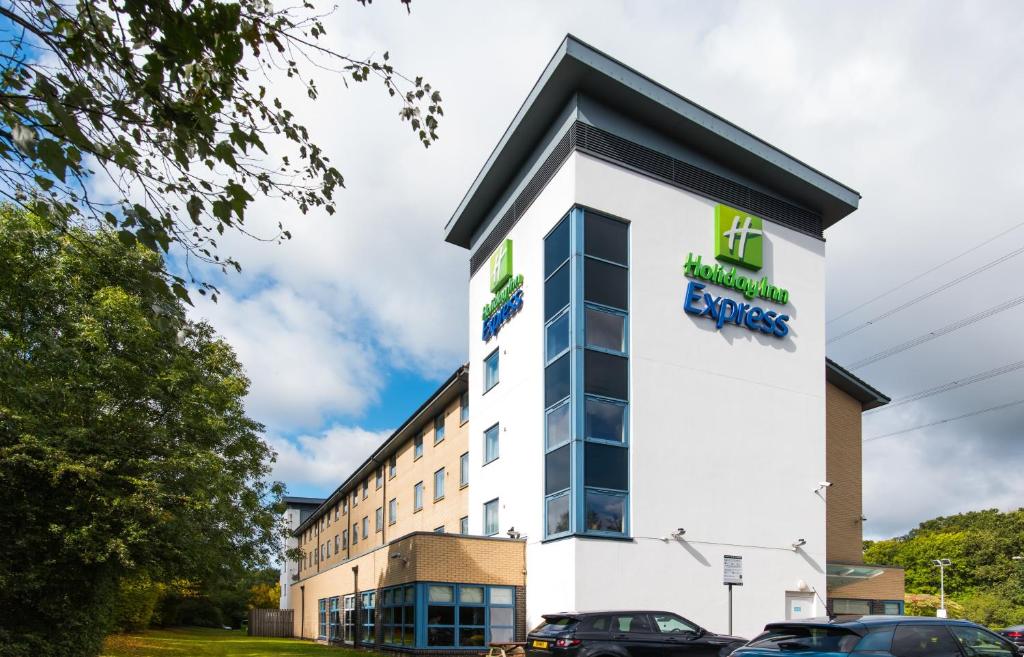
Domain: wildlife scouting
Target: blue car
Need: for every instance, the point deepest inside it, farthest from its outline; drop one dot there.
(879, 636)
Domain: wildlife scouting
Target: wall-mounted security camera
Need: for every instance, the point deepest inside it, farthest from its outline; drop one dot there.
(800, 542)
(822, 485)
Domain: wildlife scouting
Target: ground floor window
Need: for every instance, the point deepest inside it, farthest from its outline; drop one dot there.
(369, 618)
(348, 618)
(334, 619)
(859, 607)
(398, 606)
(322, 628)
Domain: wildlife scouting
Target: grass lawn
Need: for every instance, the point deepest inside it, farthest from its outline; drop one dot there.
(202, 642)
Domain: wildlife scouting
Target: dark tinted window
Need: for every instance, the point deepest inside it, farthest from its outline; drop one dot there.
(556, 468)
(605, 238)
(630, 623)
(557, 337)
(556, 247)
(595, 624)
(556, 292)
(977, 642)
(930, 640)
(605, 420)
(558, 514)
(556, 380)
(605, 330)
(605, 512)
(607, 466)
(820, 639)
(881, 640)
(605, 284)
(555, 625)
(605, 375)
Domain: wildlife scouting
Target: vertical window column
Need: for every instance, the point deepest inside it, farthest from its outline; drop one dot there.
(558, 358)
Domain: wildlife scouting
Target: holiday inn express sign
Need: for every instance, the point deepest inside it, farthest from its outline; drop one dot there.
(507, 289)
(738, 239)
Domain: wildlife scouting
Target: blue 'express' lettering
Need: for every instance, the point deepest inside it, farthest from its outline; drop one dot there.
(723, 310)
(494, 323)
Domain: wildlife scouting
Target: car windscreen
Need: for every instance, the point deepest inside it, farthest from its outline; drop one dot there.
(555, 625)
(799, 638)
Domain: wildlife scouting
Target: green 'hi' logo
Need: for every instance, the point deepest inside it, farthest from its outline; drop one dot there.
(739, 237)
(501, 265)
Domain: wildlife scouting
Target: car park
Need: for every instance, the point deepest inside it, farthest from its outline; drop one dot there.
(625, 634)
(880, 636)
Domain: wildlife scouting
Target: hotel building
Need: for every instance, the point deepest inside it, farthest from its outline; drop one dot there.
(647, 395)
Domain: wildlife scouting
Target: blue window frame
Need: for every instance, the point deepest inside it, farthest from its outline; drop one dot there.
(398, 620)
(467, 615)
(417, 497)
(491, 526)
(439, 428)
(334, 620)
(491, 374)
(439, 485)
(368, 619)
(491, 443)
(322, 627)
(586, 360)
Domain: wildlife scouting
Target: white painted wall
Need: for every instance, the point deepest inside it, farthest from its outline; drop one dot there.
(288, 566)
(727, 427)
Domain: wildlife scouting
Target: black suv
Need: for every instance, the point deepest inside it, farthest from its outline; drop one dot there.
(625, 634)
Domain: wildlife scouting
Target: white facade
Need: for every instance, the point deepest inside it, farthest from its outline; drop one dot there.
(726, 427)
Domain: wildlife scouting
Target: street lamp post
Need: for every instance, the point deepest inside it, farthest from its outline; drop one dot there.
(942, 563)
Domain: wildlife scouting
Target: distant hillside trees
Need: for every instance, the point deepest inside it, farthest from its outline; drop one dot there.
(985, 581)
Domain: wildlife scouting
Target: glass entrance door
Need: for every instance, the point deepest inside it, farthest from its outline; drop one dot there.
(348, 618)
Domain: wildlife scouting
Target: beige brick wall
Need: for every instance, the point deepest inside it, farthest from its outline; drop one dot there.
(887, 586)
(445, 512)
(417, 557)
(843, 467)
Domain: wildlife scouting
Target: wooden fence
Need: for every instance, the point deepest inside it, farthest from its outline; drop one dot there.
(270, 622)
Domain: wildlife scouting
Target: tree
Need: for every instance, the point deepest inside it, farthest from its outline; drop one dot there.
(125, 451)
(171, 104)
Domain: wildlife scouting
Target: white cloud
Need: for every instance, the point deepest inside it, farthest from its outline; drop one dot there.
(325, 459)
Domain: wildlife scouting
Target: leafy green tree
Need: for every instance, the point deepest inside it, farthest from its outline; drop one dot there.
(171, 106)
(125, 450)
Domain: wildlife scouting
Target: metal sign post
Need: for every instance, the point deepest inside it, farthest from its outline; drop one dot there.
(732, 575)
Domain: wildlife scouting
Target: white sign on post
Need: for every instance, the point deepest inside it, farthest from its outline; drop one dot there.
(733, 571)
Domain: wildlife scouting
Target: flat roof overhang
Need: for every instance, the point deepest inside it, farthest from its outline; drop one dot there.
(577, 67)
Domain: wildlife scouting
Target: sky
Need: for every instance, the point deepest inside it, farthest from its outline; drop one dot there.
(345, 329)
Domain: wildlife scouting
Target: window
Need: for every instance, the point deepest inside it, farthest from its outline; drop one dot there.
(672, 624)
(556, 381)
(557, 513)
(439, 485)
(399, 616)
(344, 505)
(462, 615)
(490, 444)
(605, 512)
(369, 617)
(491, 518)
(392, 467)
(366, 488)
(392, 511)
(976, 641)
(439, 530)
(355, 498)
(334, 620)
(464, 525)
(464, 408)
(355, 534)
(605, 420)
(327, 552)
(439, 428)
(337, 543)
(929, 640)
(557, 470)
(378, 519)
(417, 497)
(378, 478)
(812, 639)
(556, 425)
(464, 470)
(859, 607)
(348, 619)
(417, 447)
(491, 371)
(344, 538)
(366, 527)
(556, 337)
(336, 514)
(605, 330)
(892, 608)
(631, 623)
(322, 608)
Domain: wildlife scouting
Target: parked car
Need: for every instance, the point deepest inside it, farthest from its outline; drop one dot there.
(879, 636)
(1015, 634)
(625, 634)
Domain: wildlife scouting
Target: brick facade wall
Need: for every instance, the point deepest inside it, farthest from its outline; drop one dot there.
(843, 467)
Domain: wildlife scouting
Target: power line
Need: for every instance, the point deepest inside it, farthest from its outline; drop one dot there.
(928, 294)
(952, 385)
(927, 337)
(923, 274)
(949, 419)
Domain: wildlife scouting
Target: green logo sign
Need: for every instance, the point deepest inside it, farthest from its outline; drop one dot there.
(739, 237)
(501, 265)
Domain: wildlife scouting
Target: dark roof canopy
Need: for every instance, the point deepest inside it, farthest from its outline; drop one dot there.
(580, 68)
(842, 378)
